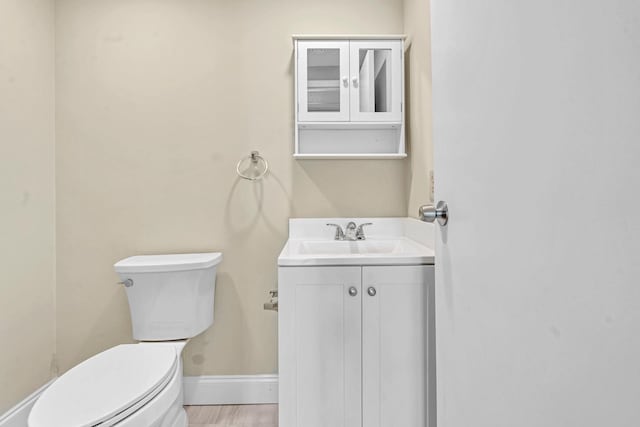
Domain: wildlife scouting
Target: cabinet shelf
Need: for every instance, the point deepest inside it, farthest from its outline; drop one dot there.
(349, 156)
(323, 89)
(323, 84)
(349, 125)
(323, 107)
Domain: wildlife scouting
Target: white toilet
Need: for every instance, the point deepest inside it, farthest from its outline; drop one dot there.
(139, 385)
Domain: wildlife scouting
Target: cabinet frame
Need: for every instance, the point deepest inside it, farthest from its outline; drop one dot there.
(354, 135)
(376, 324)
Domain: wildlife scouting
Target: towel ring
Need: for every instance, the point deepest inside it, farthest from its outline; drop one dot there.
(255, 159)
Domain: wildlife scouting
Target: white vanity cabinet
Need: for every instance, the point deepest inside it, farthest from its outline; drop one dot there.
(353, 345)
(349, 97)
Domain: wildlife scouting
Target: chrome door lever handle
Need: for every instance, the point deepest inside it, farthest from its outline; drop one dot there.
(430, 213)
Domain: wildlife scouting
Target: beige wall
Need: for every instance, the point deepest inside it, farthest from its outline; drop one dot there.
(156, 102)
(27, 197)
(418, 86)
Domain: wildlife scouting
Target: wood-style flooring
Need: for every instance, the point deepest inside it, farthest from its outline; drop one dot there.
(233, 416)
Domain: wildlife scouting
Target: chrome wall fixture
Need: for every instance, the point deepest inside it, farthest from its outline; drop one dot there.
(272, 304)
(256, 169)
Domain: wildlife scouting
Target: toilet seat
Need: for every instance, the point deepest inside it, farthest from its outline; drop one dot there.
(106, 388)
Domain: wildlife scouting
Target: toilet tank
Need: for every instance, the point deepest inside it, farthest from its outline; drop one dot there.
(170, 296)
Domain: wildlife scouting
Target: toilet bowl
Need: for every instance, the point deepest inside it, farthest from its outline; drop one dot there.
(139, 385)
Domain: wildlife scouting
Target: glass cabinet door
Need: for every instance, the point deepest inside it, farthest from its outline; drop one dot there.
(323, 81)
(376, 81)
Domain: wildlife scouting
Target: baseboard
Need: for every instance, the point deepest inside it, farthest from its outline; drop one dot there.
(18, 415)
(230, 390)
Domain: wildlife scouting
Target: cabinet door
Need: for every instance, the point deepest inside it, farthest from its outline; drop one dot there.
(320, 346)
(397, 349)
(376, 81)
(323, 81)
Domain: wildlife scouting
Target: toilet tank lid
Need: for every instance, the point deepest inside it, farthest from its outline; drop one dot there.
(162, 263)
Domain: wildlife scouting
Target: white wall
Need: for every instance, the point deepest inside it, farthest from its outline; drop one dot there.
(27, 197)
(418, 115)
(156, 102)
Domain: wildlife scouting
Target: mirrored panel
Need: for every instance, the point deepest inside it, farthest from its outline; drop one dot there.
(323, 80)
(375, 80)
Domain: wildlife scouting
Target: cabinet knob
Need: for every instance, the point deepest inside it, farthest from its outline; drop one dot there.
(371, 291)
(353, 291)
(355, 82)
(345, 81)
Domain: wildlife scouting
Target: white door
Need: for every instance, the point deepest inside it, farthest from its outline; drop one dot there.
(376, 81)
(320, 346)
(323, 81)
(397, 314)
(536, 115)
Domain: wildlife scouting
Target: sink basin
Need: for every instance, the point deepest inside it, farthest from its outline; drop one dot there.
(390, 241)
(362, 247)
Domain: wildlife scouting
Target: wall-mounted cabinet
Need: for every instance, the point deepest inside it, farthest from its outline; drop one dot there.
(349, 97)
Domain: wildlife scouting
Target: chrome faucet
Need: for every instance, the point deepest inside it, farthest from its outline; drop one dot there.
(352, 232)
(360, 231)
(339, 233)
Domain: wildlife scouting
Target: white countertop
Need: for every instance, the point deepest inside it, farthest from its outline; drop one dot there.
(389, 241)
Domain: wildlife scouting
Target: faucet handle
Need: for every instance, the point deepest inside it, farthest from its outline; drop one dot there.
(360, 231)
(339, 233)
